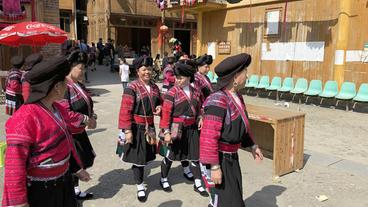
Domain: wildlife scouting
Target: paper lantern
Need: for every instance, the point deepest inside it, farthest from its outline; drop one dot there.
(164, 29)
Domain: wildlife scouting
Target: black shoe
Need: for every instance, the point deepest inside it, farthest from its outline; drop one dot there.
(168, 189)
(187, 176)
(85, 197)
(202, 193)
(142, 198)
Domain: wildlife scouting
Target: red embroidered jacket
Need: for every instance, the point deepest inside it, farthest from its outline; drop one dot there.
(203, 84)
(131, 108)
(169, 77)
(34, 136)
(13, 83)
(176, 105)
(223, 128)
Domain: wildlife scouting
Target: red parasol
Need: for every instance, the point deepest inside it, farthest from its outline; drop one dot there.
(31, 33)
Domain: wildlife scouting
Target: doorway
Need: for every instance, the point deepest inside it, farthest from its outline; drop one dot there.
(184, 37)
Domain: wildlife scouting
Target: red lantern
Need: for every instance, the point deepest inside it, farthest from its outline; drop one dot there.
(164, 29)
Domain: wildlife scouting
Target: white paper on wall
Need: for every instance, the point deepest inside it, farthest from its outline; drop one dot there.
(356, 56)
(339, 57)
(211, 49)
(296, 51)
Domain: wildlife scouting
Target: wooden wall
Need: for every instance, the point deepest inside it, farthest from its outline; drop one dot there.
(306, 21)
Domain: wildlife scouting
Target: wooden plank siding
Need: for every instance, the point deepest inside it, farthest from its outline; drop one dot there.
(306, 21)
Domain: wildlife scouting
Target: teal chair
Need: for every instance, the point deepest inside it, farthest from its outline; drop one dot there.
(214, 80)
(253, 81)
(315, 88)
(362, 95)
(347, 92)
(210, 75)
(287, 85)
(330, 90)
(301, 86)
(275, 84)
(264, 83)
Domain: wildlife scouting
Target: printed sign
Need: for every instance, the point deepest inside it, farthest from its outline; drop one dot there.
(224, 47)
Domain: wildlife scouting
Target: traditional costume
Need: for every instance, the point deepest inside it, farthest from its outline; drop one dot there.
(13, 93)
(225, 129)
(169, 78)
(201, 81)
(41, 156)
(138, 104)
(80, 108)
(180, 112)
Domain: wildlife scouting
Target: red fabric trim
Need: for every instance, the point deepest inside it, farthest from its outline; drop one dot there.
(142, 120)
(224, 147)
(186, 121)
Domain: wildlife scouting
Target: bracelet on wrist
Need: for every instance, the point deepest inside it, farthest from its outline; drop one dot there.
(215, 167)
(254, 147)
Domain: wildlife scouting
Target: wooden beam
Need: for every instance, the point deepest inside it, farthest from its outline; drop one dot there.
(199, 33)
(342, 41)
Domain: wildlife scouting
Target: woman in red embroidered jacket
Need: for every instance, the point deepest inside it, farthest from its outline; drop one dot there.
(140, 103)
(13, 93)
(179, 120)
(201, 81)
(40, 156)
(30, 61)
(169, 78)
(225, 129)
(80, 107)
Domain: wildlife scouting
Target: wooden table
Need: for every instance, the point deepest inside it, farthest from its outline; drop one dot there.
(280, 135)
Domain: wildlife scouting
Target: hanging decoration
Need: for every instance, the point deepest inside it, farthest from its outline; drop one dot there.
(12, 10)
(161, 4)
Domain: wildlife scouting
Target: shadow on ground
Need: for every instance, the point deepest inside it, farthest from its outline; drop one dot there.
(98, 91)
(176, 203)
(90, 132)
(266, 197)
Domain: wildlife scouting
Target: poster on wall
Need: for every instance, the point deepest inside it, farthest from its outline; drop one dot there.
(211, 49)
(224, 48)
(293, 51)
(272, 22)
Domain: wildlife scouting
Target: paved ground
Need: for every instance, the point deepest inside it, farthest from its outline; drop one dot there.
(336, 163)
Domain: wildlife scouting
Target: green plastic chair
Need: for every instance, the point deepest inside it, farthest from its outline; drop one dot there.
(264, 82)
(330, 90)
(301, 86)
(347, 92)
(210, 75)
(362, 95)
(315, 88)
(275, 84)
(287, 85)
(253, 81)
(214, 80)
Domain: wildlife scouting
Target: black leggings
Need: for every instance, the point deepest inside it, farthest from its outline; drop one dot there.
(166, 165)
(138, 172)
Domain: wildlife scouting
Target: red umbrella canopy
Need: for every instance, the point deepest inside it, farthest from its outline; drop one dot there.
(31, 33)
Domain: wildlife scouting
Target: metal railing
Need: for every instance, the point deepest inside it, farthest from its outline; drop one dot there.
(174, 3)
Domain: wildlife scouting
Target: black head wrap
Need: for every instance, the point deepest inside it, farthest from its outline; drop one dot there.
(77, 57)
(204, 60)
(45, 75)
(230, 66)
(17, 61)
(143, 61)
(185, 68)
(32, 60)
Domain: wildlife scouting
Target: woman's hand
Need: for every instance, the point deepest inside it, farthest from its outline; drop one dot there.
(128, 137)
(168, 138)
(158, 110)
(92, 124)
(200, 123)
(83, 175)
(257, 154)
(216, 176)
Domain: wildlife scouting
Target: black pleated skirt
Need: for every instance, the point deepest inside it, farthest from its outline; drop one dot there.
(84, 149)
(55, 193)
(230, 191)
(139, 152)
(186, 148)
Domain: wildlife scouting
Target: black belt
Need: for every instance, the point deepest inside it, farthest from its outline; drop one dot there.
(231, 155)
